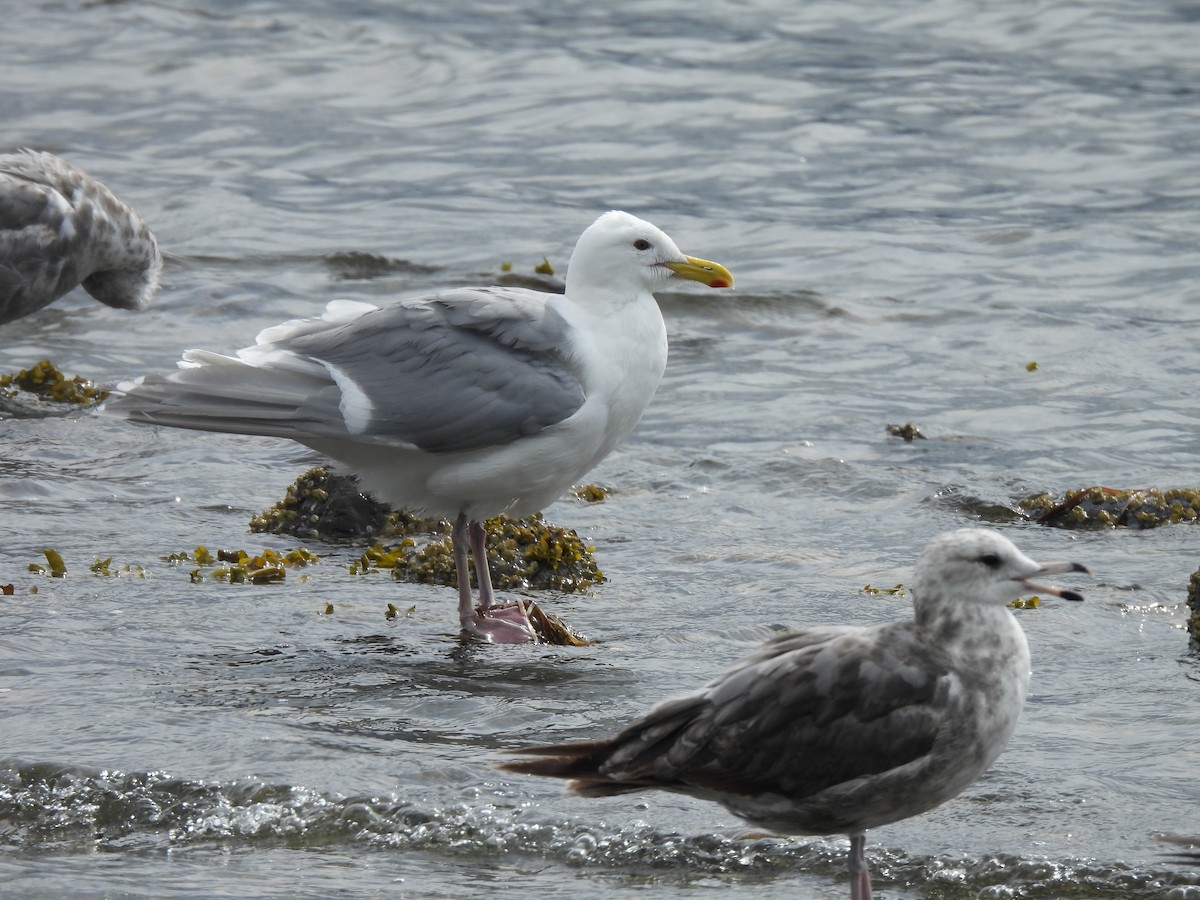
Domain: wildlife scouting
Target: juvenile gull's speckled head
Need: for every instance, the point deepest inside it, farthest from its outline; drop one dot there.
(59, 228)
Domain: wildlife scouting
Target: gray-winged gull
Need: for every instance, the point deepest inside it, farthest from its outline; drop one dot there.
(839, 729)
(60, 228)
(463, 405)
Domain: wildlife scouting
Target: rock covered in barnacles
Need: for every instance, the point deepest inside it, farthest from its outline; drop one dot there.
(1098, 508)
(320, 505)
(526, 553)
(523, 553)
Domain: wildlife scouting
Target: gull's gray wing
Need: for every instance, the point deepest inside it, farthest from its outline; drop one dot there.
(465, 369)
(808, 711)
(460, 370)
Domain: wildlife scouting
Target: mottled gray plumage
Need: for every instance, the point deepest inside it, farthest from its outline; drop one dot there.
(60, 228)
(842, 729)
(465, 404)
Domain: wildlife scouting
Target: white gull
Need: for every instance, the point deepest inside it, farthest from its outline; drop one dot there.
(462, 405)
(60, 228)
(838, 729)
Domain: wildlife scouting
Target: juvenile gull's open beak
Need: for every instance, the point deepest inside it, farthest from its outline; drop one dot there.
(712, 274)
(1055, 568)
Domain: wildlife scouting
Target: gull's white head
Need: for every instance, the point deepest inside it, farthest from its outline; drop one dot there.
(622, 255)
(981, 567)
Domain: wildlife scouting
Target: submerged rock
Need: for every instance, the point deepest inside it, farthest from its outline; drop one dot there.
(1098, 508)
(355, 265)
(536, 282)
(542, 278)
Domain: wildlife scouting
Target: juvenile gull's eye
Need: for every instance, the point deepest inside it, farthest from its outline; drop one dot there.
(641, 244)
(991, 560)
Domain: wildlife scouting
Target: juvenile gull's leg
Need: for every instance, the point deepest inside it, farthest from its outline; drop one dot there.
(860, 876)
(508, 624)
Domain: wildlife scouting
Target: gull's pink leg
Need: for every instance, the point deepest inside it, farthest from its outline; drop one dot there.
(483, 573)
(860, 876)
(458, 543)
(508, 624)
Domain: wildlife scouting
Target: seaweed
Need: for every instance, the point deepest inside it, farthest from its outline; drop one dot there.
(45, 381)
(55, 567)
(268, 567)
(898, 590)
(591, 493)
(908, 431)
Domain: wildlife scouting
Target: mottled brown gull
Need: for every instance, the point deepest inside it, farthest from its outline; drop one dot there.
(60, 228)
(838, 729)
(464, 404)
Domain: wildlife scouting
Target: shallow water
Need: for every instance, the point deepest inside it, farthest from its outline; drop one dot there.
(917, 200)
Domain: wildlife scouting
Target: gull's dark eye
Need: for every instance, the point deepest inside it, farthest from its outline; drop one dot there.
(991, 560)
(641, 244)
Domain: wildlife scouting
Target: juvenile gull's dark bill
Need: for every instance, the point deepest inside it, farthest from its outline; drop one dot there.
(838, 729)
(60, 228)
(462, 405)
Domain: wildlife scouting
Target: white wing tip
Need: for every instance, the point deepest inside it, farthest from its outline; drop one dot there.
(337, 312)
(343, 311)
(124, 387)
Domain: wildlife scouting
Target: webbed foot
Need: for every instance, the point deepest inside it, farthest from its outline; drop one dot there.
(508, 624)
